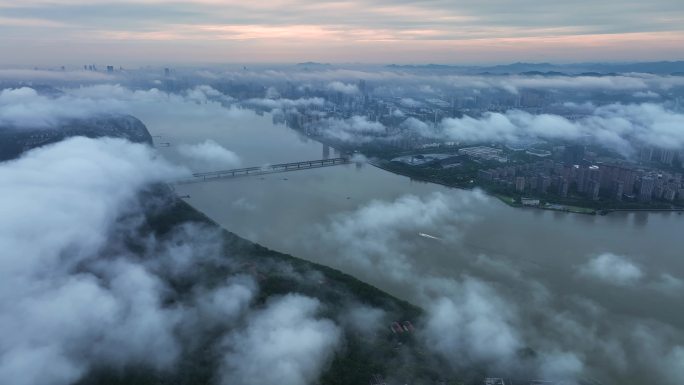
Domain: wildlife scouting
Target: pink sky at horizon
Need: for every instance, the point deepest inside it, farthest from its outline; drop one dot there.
(364, 31)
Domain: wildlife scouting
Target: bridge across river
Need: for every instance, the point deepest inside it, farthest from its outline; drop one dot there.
(268, 169)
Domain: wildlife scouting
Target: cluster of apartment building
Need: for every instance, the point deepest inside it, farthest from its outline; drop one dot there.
(610, 181)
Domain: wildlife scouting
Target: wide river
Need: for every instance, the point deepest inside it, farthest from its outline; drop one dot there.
(296, 212)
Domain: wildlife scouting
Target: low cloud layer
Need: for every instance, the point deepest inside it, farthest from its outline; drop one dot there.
(24, 107)
(284, 104)
(622, 128)
(67, 293)
(53, 312)
(612, 269)
(349, 89)
(284, 343)
(473, 325)
(356, 129)
(75, 297)
(209, 155)
(513, 325)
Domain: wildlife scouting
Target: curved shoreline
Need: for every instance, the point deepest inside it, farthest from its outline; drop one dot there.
(566, 209)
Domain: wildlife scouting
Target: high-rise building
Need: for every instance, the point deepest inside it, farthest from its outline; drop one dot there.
(593, 189)
(669, 194)
(573, 154)
(658, 191)
(563, 187)
(667, 156)
(618, 190)
(520, 184)
(646, 189)
(580, 178)
(594, 173)
(543, 183)
(646, 154)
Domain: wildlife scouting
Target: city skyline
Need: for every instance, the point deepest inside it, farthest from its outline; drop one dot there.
(365, 31)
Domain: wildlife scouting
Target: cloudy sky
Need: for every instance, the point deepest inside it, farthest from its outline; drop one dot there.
(56, 32)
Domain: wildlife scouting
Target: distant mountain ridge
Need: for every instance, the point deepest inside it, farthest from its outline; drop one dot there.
(548, 69)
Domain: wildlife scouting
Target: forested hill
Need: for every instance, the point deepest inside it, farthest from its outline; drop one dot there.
(15, 140)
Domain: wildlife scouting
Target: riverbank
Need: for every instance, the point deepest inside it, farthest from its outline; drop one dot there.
(278, 275)
(512, 202)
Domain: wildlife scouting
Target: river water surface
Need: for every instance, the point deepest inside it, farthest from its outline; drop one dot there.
(291, 212)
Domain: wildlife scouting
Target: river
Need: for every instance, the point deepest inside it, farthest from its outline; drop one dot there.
(291, 212)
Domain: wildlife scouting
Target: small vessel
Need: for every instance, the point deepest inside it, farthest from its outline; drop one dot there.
(429, 236)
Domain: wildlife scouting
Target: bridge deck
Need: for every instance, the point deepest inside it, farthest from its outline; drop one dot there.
(270, 169)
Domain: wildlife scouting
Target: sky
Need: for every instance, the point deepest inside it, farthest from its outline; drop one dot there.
(74, 32)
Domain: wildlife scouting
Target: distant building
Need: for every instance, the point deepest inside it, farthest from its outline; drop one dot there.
(646, 154)
(484, 175)
(543, 183)
(538, 152)
(592, 174)
(669, 194)
(520, 184)
(167, 72)
(563, 186)
(580, 177)
(530, 202)
(595, 173)
(667, 156)
(646, 189)
(618, 190)
(110, 68)
(484, 153)
(593, 189)
(573, 154)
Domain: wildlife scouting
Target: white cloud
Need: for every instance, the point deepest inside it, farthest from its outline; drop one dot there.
(374, 238)
(472, 325)
(669, 284)
(646, 95)
(284, 343)
(354, 129)
(284, 104)
(60, 306)
(204, 93)
(349, 89)
(409, 102)
(24, 107)
(612, 269)
(617, 126)
(209, 155)
(365, 320)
